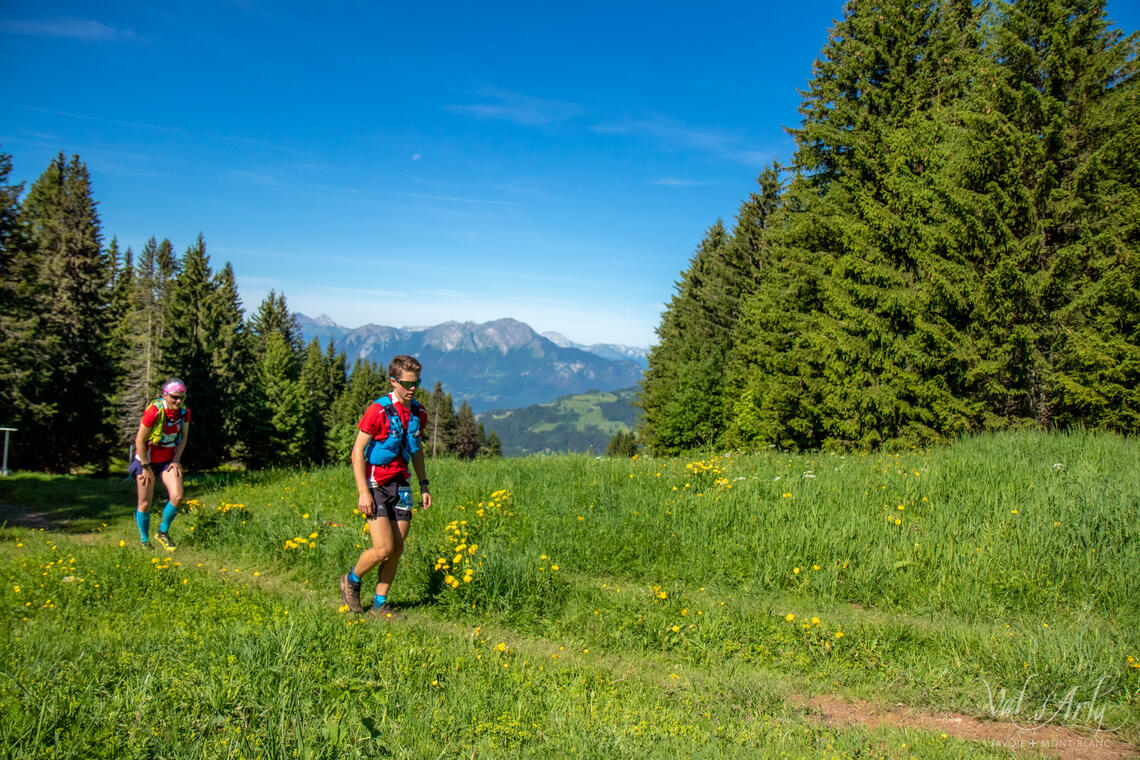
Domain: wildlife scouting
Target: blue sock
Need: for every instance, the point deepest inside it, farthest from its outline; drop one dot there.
(352, 577)
(379, 599)
(142, 520)
(168, 515)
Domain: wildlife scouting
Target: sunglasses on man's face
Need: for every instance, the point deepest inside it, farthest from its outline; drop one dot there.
(176, 398)
(408, 385)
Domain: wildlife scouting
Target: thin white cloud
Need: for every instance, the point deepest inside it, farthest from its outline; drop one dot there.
(455, 199)
(519, 109)
(72, 28)
(673, 135)
(677, 182)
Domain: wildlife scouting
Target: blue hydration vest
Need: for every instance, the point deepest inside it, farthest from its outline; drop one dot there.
(400, 443)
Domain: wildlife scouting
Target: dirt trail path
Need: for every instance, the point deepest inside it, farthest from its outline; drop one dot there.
(1050, 741)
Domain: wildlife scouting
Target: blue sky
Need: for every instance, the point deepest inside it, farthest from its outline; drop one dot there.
(413, 163)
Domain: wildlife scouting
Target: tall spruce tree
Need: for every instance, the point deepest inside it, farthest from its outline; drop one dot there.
(680, 392)
(831, 349)
(289, 408)
(24, 346)
(75, 277)
(262, 436)
(191, 335)
(122, 290)
(230, 349)
(366, 383)
(140, 335)
(273, 316)
(1061, 308)
(439, 438)
(468, 441)
(321, 380)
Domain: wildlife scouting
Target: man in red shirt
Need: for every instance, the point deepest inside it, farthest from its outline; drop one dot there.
(387, 439)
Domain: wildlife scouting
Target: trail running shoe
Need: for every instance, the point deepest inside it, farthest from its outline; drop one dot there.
(350, 594)
(165, 541)
(383, 612)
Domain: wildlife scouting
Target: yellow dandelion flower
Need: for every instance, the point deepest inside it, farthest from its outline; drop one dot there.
(815, 621)
(676, 628)
(789, 617)
(554, 568)
(839, 634)
(796, 570)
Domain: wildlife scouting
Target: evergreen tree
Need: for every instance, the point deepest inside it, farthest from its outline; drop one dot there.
(188, 341)
(318, 379)
(122, 290)
(25, 347)
(439, 438)
(494, 446)
(622, 444)
(140, 333)
(74, 276)
(273, 316)
(366, 383)
(230, 349)
(288, 408)
(468, 442)
(1060, 312)
(837, 346)
(680, 393)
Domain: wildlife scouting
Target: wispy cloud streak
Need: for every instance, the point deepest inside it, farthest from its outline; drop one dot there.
(673, 135)
(519, 109)
(72, 28)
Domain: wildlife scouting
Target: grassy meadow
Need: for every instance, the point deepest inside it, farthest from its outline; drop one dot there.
(581, 607)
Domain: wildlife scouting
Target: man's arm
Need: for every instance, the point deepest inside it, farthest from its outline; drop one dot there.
(421, 473)
(360, 473)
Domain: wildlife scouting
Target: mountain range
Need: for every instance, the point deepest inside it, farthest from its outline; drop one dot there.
(502, 364)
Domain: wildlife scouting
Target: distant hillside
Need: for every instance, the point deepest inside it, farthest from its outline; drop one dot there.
(495, 365)
(583, 422)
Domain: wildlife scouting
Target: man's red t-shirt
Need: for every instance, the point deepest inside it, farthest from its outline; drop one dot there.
(161, 454)
(375, 423)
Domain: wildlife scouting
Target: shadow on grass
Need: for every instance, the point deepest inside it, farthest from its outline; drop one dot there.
(69, 503)
(82, 503)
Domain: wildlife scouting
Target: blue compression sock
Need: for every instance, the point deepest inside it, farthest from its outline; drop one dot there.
(142, 520)
(168, 515)
(379, 599)
(352, 577)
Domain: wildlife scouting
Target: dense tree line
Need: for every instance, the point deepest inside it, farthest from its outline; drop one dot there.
(953, 249)
(89, 332)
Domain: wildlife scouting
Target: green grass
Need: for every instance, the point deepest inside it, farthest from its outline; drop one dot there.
(615, 608)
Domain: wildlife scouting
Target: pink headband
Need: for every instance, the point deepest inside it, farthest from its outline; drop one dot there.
(174, 387)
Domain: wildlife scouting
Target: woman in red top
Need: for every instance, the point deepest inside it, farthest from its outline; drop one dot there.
(159, 445)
